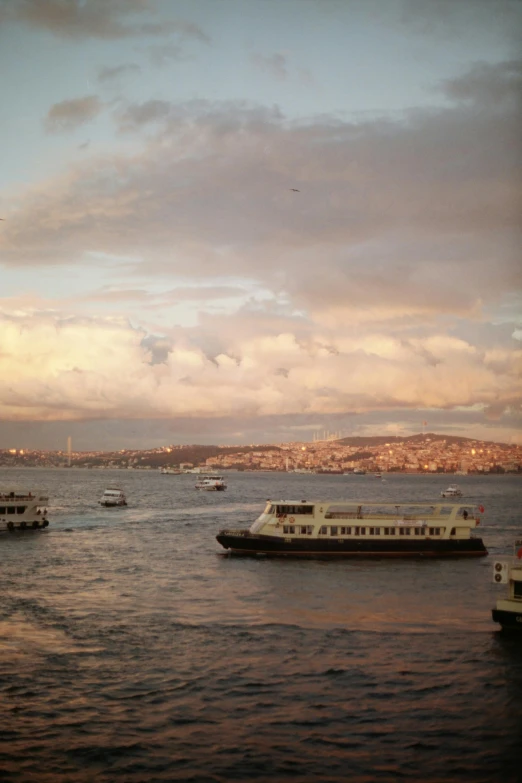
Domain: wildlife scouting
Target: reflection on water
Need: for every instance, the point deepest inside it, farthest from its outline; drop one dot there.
(133, 649)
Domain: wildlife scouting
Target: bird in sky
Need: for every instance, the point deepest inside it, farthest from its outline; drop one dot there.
(295, 190)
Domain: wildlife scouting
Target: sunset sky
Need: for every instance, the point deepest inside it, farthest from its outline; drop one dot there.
(162, 283)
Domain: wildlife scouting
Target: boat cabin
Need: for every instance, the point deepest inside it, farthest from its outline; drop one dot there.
(113, 497)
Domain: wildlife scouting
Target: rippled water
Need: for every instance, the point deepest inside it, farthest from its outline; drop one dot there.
(133, 649)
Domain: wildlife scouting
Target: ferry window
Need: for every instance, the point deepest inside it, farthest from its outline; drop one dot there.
(407, 531)
(20, 509)
(333, 531)
(392, 531)
(323, 530)
(346, 531)
(356, 531)
(377, 531)
(11, 510)
(418, 531)
(2, 509)
(292, 529)
(363, 531)
(517, 589)
(293, 510)
(453, 531)
(285, 529)
(401, 531)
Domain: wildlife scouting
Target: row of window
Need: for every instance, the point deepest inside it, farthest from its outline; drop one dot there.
(335, 530)
(289, 511)
(12, 510)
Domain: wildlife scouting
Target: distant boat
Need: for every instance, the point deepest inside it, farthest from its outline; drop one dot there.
(359, 471)
(453, 491)
(378, 475)
(212, 483)
(170, 471)
(113, 497)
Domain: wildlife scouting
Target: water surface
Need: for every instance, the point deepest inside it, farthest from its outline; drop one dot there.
(132, 648)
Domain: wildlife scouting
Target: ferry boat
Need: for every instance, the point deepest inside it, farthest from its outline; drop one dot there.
(211, 483)
(113, 497)
(453, 491)
(508, 611)
(358, 529)
(21, 510)
(170, 471)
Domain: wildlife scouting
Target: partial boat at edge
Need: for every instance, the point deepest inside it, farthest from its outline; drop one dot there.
(21, 510)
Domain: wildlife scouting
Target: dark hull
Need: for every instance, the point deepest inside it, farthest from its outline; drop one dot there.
(25, 527)
(510, 621)
(245, 543)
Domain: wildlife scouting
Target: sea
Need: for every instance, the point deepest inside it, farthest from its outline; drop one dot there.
(133, 648)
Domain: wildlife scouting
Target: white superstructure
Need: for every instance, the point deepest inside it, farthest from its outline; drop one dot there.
(508, 610)
(211, 483)
(453, 491)
(23, 510)
(113, 497)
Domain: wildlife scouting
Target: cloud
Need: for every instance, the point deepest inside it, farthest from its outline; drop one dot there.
(70, 114)
(275, 65)
(388, 212)
(488, 83)
(381, 278)
(139, 114)
(95, 19)
(108, 74)
(70, 368)
(160, 55)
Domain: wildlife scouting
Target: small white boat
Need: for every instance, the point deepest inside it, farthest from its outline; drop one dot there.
(453, 491)
(21, 510)
(170, 471)
(211, 483)
(113, 497)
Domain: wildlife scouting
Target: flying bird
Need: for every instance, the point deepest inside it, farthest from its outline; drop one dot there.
(295, 190)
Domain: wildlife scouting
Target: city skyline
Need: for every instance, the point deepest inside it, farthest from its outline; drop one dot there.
(248, 222)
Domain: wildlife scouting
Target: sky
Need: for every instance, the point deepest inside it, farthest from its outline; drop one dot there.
(257, 221)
